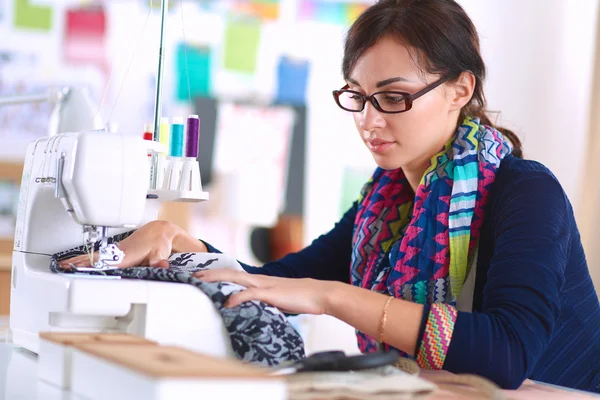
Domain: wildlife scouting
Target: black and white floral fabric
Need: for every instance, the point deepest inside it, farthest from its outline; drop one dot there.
(259, 333)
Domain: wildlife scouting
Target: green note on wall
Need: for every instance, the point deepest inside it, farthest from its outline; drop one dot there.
(31, 16)
(241, 46)
(353, 180)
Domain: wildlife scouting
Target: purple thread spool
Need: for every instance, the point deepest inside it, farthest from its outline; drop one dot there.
(192, 136)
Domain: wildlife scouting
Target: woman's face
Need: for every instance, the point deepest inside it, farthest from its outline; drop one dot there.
(407, 140)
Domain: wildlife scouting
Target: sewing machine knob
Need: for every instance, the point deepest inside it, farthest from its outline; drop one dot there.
(59, 190)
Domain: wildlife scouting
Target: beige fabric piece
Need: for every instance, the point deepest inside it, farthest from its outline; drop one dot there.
(380, 383)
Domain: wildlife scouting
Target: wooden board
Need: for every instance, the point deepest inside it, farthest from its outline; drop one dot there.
(172, 362)
(6, 262)
(72, 338)
(9, 172)
(5, 292)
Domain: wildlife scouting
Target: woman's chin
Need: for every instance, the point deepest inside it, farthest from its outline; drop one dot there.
(388, 163)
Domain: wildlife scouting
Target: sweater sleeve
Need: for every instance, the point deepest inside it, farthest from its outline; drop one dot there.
(532, 221)
(326, 258)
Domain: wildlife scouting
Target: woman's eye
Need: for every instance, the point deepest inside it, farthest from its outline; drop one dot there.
(394, 99)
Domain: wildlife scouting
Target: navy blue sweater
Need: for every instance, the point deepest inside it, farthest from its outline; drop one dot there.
(535, 311)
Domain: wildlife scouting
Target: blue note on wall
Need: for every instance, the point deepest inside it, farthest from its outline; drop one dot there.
(193, 71)
(292, 77)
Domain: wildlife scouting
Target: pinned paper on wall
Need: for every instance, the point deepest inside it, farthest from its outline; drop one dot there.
(23, 123)
(32, 16)
(156, 4)
(85, 37)
(353, 179)
(263, 10)
(292, 78)
(241, 46)
(252, 150)
(330, 12)
(193, 71)
(354, 11)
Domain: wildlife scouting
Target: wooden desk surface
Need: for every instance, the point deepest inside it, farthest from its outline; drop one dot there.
(5, 262)
(530, 390)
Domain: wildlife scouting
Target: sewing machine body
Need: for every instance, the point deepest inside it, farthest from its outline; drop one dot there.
(103, 181)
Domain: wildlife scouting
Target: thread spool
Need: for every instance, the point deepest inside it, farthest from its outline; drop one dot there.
(149, 135)
(148, 132)
(192, 136)
(177, 138)
(164, 132)
(190, 171)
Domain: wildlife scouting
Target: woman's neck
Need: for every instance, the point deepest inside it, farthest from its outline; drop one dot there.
(414, 172)
(416, 169)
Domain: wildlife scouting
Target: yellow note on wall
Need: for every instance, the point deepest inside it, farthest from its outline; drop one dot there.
(241, 46)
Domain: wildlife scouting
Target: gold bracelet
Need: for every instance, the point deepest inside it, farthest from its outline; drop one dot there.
(383, 319)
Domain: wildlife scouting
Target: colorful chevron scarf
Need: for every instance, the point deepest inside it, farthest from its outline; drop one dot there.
(420, 252)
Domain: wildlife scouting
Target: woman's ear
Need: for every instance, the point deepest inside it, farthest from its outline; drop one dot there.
(462, 91)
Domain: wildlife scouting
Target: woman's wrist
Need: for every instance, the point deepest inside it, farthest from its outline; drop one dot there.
(333, 292)
(184, 243)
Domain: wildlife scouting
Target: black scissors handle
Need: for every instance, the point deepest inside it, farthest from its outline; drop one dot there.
(339, 361)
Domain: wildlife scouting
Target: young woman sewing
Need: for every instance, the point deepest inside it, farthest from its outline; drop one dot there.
(457, 252)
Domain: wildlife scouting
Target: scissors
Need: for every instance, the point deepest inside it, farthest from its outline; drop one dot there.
(338, 361)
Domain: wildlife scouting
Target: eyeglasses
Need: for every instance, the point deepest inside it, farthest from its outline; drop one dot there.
(388, 102)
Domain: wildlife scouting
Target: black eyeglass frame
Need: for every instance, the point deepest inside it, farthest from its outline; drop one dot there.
(408, 98)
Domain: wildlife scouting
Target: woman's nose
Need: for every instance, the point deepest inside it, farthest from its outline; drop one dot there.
(371, 118)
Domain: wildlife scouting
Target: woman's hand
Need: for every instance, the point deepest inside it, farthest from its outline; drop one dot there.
(150, 245)
(295, 296)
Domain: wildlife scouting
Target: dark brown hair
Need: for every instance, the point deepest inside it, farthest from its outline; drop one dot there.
(443, 35)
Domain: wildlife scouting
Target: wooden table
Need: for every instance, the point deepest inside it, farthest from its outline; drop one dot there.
(5, 268)
(530, 390)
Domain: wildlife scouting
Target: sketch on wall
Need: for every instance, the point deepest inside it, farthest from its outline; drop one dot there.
(23, 122)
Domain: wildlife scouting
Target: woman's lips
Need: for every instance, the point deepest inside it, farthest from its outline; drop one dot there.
(379, 146)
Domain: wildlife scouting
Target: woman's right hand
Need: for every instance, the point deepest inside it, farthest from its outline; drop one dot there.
(151, 245)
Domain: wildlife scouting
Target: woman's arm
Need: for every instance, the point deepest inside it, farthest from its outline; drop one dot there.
(326, 258)
(363, 309)
(360, 308)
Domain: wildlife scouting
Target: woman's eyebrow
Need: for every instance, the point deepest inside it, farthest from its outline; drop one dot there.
(384, 82)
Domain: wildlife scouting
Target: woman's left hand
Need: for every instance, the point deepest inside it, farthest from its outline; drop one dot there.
(294, 296)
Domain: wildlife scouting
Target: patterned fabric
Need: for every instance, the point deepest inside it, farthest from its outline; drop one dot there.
(259, 333)
(417, 246)
(437, 336)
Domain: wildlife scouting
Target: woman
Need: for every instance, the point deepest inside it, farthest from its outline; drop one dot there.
(467, 258)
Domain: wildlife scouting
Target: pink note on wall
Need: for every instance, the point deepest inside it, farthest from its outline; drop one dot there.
(85, 37)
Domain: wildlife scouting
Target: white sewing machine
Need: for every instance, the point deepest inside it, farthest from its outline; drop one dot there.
(98, 181)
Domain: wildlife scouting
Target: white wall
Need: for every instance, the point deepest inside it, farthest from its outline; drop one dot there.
(540, 61)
